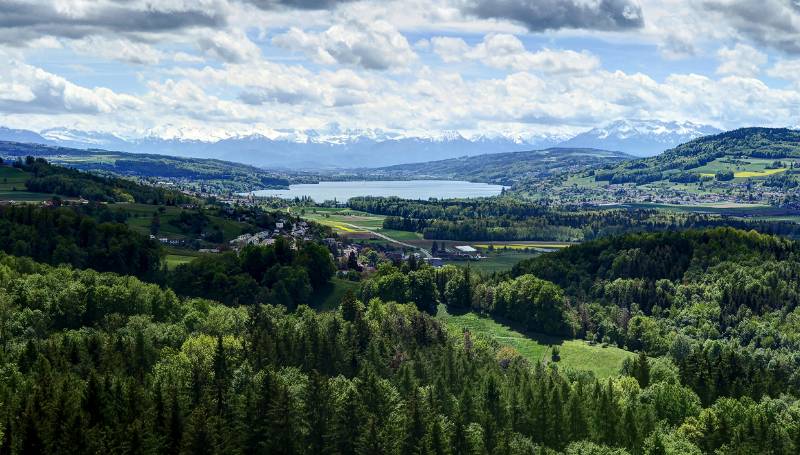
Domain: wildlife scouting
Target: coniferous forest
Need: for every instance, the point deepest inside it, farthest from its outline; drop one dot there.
(222, 355)
(399, 227)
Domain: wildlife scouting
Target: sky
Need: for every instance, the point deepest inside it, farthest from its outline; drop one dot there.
(209, 69)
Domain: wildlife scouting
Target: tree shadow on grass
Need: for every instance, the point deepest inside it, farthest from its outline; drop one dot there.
(541, 338)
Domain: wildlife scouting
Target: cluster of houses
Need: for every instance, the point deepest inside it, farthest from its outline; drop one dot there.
(167, 241)
(297, 231)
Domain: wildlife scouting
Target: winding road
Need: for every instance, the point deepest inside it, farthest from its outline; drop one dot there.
(424, 252)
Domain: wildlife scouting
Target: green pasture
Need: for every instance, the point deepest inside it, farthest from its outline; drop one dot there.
(575, 354)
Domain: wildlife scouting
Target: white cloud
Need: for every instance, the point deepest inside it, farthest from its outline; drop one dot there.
(450, 49)
(508, 52)
(229, 46)
(769, 23)
(118, 49)
(25, 89)
(786, 69)
(557, 85)
(375, 45)
(740, 60)
(183, 57)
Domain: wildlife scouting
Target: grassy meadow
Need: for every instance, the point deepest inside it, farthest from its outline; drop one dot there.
(12, 186)
(328, 298)
(142, 214)
(575, 354)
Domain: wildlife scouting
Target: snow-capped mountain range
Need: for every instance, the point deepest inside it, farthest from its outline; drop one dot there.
(341, 148)
(640, 137)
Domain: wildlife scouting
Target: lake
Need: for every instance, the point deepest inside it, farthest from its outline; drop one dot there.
(406, 189)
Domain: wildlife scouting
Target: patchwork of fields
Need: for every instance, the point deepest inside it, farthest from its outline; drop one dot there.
(359, 225)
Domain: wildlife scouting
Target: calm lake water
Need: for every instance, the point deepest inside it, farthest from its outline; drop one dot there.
(406, 189)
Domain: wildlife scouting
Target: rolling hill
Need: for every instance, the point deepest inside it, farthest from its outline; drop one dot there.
(743, 166)
(189, 173)
(696, 157)
(505, 168)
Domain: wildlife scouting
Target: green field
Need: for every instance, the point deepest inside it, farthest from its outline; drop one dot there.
(12, 186)
(400, 235)
(178, 256)
(174, 260)
(328, 298)
(744, 168)
(575, 354)
(141, 215)
(346, 221)
(340, 215)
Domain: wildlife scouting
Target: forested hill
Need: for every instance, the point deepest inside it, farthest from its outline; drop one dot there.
(196, 173)
(102, 363)
(506, 168)
(688, 159)
(43, 177)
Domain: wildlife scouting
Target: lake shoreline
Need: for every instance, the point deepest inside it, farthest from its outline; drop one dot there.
(342, 191)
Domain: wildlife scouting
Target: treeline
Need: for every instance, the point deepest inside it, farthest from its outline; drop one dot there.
(505, 219)
(719, 302)
(47, 178)
(536, 305)
(148, 372)
(85, 238)
(749, 142)
(96, 236)
(278, 274)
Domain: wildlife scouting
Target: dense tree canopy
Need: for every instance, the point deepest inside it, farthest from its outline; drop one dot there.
(120, 365)
(64, 181)
(504, 219)
(82, 238)
(259, 274)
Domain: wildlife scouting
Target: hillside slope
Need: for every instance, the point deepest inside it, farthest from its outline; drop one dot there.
(744, 166)
(189, 173)
(758, 143)
(505, 168)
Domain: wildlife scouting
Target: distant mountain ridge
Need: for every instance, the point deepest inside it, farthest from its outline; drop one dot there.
(339, 148)
(639, 137)
(506, 168)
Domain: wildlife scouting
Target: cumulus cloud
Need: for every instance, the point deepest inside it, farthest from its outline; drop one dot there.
(297, 4)
(450, 49)
(677, 45)
(28, 89)
(22, 21)
(266, 83)
(508, 52)
(229, 46)
(118, 49)
(541, 15)
(376, 46)
(740, 60)
(786, 69)
(771, 23)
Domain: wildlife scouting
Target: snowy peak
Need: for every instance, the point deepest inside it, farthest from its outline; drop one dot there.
(332, 146)
(82, 139)
(640, 137)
